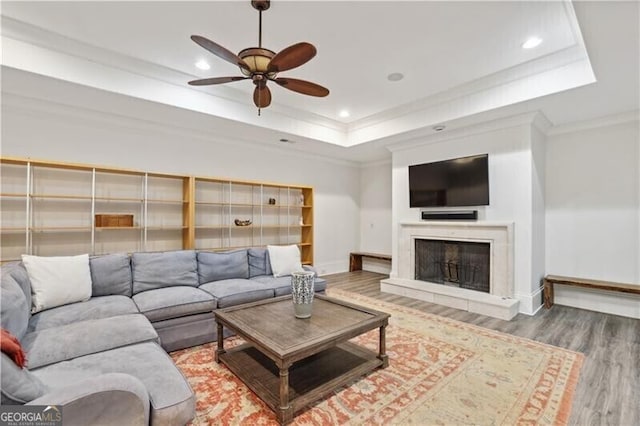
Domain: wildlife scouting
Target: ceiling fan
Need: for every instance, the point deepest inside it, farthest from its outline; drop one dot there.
(262, 65)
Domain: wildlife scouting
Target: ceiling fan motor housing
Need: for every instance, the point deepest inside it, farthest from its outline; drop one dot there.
(257, 59)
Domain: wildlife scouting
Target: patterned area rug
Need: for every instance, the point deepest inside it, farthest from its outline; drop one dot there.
(441, 372)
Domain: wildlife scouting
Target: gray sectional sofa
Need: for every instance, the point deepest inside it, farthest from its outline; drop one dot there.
(104, 360)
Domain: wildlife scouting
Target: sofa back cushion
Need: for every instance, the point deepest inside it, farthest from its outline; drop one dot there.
(14, 310)
(111, 275)
(19, 273)
(19, 386)
(222, 266)
(159, 270)
(259, 262)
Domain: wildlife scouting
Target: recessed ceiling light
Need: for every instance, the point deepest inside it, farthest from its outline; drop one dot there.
(203, 65)
(344, 113)
(531, 42)
(395, 76)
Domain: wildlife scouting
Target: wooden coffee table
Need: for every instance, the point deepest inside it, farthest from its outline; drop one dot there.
(289, 362)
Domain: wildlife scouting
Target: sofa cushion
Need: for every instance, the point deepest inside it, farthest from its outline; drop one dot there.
(94, 308)
(19, 386)
(285, 260)
(110, 275)
(14, 311)
(282, 285)
(57, 280)
(236, 291)
(63, 343)
(171, 398)
(19, 273)
(222, 266)
(259, 262)
(158, 270)
(172, 302)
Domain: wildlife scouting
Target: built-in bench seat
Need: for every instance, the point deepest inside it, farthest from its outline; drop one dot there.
(550, 280)
(355, 259)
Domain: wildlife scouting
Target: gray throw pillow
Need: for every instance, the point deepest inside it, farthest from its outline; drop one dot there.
(19, 385)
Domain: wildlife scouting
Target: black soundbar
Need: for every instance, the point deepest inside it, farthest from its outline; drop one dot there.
(450, 215)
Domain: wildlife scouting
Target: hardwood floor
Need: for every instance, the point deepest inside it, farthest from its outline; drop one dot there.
(608, 391)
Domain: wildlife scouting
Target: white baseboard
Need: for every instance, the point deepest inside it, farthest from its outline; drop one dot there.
(326, 268)
(530, 303)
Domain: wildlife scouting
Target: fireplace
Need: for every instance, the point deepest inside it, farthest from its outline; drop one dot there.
(474, 261)
(461, 264)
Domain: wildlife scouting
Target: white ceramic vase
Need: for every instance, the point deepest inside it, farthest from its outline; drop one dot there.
(302, 289)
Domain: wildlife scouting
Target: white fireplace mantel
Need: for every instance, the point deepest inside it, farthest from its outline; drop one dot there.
(500, 301)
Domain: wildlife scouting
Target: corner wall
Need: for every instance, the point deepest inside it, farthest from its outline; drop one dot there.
(375, 214)
(593, 212)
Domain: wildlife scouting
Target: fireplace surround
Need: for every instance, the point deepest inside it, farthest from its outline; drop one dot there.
(498, 302)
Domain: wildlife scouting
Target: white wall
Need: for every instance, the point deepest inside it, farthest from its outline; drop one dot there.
(538, 178)
(511, 189)
(375, 214)
(593, 213)
(43, 130)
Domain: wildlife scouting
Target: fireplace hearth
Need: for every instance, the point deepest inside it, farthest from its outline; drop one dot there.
(454, 263)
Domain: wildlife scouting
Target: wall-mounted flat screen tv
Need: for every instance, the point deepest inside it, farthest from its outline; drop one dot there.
(458, 182)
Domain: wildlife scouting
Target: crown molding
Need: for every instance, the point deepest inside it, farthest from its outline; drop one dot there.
(466, 127)
(584, 125)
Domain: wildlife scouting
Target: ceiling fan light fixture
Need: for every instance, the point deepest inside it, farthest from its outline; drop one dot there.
(257, 59)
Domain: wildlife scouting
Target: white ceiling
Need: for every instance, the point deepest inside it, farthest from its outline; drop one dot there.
(448, 52)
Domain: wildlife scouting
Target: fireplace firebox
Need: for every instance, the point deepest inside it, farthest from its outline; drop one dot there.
(461, 264)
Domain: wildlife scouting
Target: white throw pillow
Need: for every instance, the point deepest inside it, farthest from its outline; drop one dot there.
(285, 260)
(57, 280)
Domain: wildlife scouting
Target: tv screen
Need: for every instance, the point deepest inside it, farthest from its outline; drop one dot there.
(451, 183)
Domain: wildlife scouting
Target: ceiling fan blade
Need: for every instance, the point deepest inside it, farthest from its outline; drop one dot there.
(302, 86)
(292, 57)
(262, 96)
(215, 80)
(220, 51)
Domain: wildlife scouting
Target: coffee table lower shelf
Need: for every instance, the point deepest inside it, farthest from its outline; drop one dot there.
(309, 379)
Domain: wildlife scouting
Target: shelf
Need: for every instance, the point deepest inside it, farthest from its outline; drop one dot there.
(117, 228)
(119, 199)
(241, 247)
(13, 195)
(158, 201)
(254, 226)
(61, 229)
(166, 228)
(12, 229)
(60, 197)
